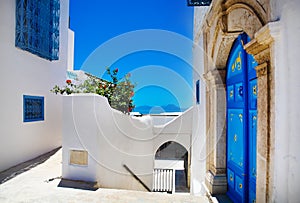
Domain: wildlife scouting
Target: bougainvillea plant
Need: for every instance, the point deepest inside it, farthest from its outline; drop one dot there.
(119, 92)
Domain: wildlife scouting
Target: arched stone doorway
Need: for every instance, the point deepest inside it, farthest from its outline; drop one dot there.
(171, 159)
(223, 24)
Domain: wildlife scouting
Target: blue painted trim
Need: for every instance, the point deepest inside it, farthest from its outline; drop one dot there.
(198, 92)
(33, 111)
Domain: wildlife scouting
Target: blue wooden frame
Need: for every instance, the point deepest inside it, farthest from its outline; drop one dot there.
(235, 111)
(33, 108)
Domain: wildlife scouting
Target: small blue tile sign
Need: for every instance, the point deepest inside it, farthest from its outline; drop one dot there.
(198, 2)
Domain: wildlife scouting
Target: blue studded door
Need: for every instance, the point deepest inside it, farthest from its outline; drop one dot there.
(241, 87)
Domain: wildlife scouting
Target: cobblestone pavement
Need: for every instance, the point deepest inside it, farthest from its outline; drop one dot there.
(39, 183)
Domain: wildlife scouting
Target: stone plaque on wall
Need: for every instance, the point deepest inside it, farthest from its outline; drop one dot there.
(79, 157)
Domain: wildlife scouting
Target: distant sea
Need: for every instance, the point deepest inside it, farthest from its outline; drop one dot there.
(158, 109)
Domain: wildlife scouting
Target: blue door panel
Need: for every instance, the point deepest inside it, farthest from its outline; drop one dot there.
(252, 144)
(251, 67)
(252, 192)
(238, 89)
(230, 93)
(252, 126)
(253, 94)
(235, 62)
(241, 86)
(239, 185)
(230, 177)
(252, 196)
(235, 137)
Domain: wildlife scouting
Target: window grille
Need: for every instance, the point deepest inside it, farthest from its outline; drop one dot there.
(33, 108)
(37, 27)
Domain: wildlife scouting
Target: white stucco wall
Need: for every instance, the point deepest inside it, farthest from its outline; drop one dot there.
(112, 139)
(198, 142)
(24, 73)
(286, 32)
(178, 130)
(71, 41)
(163, 119)
(169, 164)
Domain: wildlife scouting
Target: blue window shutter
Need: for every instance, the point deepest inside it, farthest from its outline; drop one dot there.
(33, 108)
(37, 27)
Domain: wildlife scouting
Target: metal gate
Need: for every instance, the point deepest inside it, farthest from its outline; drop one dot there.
(241, 86)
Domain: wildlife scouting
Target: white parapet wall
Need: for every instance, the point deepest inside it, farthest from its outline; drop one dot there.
(179, 130)
(98, 141)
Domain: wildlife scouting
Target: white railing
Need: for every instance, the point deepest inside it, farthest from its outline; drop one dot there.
(163, 180)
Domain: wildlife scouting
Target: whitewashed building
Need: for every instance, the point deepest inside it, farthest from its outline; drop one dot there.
(242, 134)
(33, 58)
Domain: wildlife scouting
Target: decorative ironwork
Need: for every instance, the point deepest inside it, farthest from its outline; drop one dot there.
(240, 89)
(37, 27)
(198, 2)
(231, 93)
(237, 63)
(241, 117)
(254, 89)
(33, 108)
(235, 137)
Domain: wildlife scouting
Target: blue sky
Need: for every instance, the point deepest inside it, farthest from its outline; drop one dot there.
(150, 39)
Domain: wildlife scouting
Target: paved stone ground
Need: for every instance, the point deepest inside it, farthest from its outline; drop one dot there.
(38, 180)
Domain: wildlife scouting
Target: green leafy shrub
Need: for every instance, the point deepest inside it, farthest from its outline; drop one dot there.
(119, 92)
